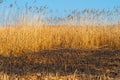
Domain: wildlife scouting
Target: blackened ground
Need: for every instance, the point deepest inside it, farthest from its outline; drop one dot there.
(63, 61)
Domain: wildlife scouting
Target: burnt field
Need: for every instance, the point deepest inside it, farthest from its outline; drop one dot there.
(63, 61)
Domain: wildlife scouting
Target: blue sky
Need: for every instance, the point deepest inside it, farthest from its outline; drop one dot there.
(62, 5)
(80, 4)
(57, 5)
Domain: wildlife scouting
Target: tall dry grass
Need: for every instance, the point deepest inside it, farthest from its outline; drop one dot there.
(22, 39)
(27, 34)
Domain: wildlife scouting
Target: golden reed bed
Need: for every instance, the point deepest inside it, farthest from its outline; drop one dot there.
(20, 39)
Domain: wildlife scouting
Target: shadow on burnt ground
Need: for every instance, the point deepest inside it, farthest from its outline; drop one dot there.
(63, 61)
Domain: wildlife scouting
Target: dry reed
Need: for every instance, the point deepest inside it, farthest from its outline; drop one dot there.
(38, 38)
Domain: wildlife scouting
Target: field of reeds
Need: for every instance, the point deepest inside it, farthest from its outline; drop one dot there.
(83, 45)
(38, 38)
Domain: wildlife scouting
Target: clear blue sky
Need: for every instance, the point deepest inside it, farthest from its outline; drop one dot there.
(80, 4)
(62, 5)
(58, 5)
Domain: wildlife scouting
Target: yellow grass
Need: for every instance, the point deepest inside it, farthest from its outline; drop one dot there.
(27, 38)
(38, 76)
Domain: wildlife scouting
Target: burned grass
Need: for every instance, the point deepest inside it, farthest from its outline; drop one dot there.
(64, 62)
